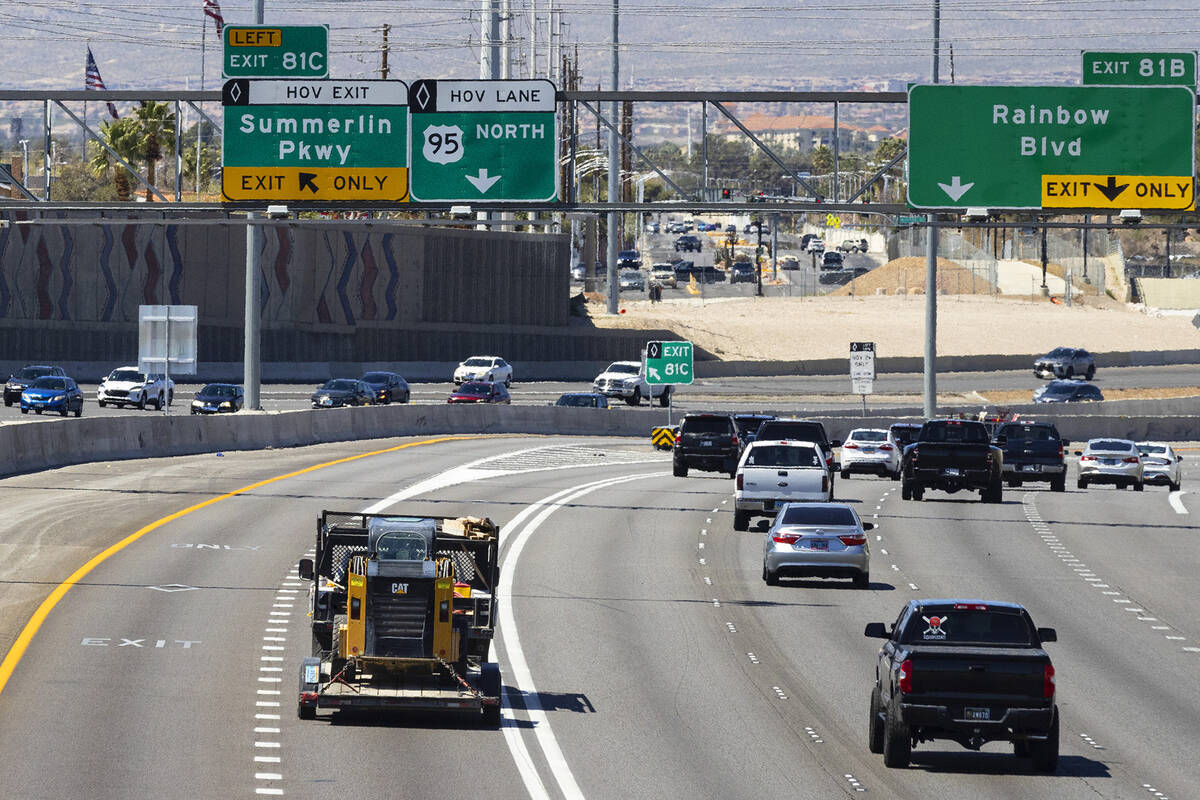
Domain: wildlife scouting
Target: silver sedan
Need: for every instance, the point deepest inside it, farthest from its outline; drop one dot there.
(1115, 461)
(1160, 464)
(825, 540)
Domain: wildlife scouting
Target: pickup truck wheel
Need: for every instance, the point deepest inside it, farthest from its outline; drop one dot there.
(897, 744)
(679, 469)
(101, 403)
(1045, 754)
(635, 399)
(845, 474)
(664, 399)
(875, 726)
(1139, 486)
(905, 491)
(1081, 484)
(1059, 484)
(741, 521)
(1021, 749)
(918, 492)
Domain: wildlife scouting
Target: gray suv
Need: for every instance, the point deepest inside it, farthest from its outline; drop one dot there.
(1065, 362)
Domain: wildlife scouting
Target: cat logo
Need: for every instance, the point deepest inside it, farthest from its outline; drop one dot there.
(399, 588)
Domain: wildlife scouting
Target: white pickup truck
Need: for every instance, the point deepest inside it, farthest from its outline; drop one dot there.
(772, 473)
(625, 379)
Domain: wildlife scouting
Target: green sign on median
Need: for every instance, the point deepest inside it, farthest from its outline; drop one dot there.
(483, 141)
(668, 362)
(1028, 147)
(1139, 69)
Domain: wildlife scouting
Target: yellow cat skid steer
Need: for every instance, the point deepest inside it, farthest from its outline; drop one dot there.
(403, 613)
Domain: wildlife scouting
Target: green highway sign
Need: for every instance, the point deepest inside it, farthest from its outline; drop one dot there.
(668, 362)
(911, 219)
(275, 51)
(315, 140)
(1031, 147)
(1115, 68)
(483, 141)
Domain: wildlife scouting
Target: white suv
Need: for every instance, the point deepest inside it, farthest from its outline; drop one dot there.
(625, 379)
(126, 386)
(484, 368)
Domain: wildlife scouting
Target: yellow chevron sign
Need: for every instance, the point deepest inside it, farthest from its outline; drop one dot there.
(662, 438)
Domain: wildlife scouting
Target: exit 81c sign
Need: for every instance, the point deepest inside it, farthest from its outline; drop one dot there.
(275, 51)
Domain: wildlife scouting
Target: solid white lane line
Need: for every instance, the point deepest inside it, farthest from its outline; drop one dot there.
(1176, 501)
(510, 641)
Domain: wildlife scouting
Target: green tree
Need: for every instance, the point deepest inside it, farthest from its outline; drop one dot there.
(74, 180)
(156, 121)
(123, 136)
(887, 149)
(822, 160)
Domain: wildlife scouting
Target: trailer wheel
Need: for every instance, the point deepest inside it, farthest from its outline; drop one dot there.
(490, 686)
(306, 712)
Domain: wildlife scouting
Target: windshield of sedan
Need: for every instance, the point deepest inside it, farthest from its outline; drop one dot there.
(475, 389)
(1060, 390)
(129, 375)
(782, 455)
(215, 390)
(49, 383)
(624, 369)
(818, 515)
(1111, 446)
(477, 362)
(968, 627)
(32, 373)
(340, 385)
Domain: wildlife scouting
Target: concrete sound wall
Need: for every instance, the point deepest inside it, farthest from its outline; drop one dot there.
(338, 291)
(34, 446)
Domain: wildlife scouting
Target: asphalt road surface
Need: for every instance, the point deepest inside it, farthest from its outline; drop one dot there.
(800, 394)
(642, 654)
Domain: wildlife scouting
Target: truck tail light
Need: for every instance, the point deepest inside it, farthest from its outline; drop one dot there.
(739, 480)
(786, 538)
(1060, 451)
(1048, 681)
(854, 539)
(824, 483)
(733, 441)
(906, 676)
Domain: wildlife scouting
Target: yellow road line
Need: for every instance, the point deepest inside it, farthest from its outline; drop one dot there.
(35, 622)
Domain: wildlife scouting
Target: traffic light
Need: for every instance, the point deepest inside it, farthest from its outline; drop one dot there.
(725, 194)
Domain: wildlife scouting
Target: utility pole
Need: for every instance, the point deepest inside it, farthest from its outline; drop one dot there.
(383, 67)
(614, 160)
(931, 250)
(505, 36)
(533, 38)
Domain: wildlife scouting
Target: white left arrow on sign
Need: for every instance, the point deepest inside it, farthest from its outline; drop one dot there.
(482, 181)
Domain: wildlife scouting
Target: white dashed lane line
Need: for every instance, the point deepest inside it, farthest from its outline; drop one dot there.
(1176, 501)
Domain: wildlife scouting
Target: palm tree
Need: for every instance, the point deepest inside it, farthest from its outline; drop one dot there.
(157, 124)
(123, 136)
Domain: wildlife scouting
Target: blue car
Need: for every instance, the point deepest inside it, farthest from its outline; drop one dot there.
(53, 393)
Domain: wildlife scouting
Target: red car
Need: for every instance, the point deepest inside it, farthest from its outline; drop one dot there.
(480, 392)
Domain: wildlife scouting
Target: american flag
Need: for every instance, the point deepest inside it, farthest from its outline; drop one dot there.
(92, 80)
(213, 9)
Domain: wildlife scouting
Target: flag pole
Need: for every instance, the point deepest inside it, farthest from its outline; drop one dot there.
(200, 117)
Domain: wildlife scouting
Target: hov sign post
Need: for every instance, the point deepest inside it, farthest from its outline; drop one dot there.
(275, 51)
(1032, 147)
(862, 369)
(315, 140)
(483, 141)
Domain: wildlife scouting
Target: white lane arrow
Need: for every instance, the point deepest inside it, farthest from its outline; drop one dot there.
(482, 182)
(956, 188)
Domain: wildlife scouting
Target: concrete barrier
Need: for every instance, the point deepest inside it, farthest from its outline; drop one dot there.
(35, 446)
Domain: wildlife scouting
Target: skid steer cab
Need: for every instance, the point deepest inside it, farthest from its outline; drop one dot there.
(403, 614)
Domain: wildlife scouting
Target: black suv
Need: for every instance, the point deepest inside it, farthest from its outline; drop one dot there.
(707, 442)
(1033, 451)
(22, 381)
(741, 272)
(687, 243)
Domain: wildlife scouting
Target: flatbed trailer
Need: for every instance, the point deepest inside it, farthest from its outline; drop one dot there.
(403, 615)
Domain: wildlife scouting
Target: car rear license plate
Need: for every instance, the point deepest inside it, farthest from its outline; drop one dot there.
(868, 449)
(706, 444)
(1031, 468)
(951, 471)
(1109, 461)
(978, 713)
(818, 544)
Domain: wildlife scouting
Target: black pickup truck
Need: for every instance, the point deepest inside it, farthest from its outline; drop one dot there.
(1033, 451)
(952, 454)
(971, 671)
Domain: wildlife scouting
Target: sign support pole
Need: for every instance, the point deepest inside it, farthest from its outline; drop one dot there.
(930, 388)
(250, 353)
